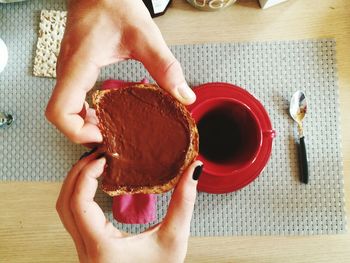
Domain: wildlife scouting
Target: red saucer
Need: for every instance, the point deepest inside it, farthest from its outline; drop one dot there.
(237, 179)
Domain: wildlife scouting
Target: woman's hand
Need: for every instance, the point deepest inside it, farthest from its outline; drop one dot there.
(97, 240)
(99, 33)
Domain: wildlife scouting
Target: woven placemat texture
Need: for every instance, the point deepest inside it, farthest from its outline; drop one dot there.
(275, 203)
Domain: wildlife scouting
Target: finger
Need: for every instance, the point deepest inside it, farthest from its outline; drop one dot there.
(88, 215)
(178, 218)
(91, 116)
(72, 229)
(83, 111)
(70, 181)
(63, 204)
(75, 77)
(162, 65)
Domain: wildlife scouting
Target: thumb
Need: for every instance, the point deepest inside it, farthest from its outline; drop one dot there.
(178, 218)
(163, 66)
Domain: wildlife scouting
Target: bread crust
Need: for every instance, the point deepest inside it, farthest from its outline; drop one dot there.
(191, 153)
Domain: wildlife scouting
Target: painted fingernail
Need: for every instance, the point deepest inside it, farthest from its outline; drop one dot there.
(85, 154)
(186, 93)
(197, 172)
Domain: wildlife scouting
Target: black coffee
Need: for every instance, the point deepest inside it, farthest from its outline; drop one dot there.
(220, 138)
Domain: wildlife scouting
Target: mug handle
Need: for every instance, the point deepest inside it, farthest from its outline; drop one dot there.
(269, 133)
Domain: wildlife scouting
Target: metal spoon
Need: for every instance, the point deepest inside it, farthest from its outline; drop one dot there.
(297, 110)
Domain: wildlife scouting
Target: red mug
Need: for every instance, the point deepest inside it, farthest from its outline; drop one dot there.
(230, 135)
(235, 136)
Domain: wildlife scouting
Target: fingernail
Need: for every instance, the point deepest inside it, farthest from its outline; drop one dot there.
(85, 154)
(101, 160)
(186, 93)
(197, 172)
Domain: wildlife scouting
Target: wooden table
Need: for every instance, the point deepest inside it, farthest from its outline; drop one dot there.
(30, 230)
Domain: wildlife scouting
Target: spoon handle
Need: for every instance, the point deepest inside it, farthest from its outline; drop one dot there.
(304, 171)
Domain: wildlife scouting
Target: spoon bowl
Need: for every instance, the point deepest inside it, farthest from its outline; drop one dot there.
(298, 107)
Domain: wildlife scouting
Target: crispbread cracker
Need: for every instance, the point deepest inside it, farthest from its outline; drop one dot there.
(51, 29)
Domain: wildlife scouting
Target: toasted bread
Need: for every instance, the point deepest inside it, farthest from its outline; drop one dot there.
(150, 139)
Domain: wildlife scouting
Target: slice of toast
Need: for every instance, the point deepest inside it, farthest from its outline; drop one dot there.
(150, 139)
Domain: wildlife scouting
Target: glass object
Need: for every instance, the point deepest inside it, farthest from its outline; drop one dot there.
(5, 119)
(211, 5)
(3, 55)
(157, 7)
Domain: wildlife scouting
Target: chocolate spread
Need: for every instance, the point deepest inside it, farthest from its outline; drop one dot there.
(146, 136)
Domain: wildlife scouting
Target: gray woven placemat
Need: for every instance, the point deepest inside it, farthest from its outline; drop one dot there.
(275, 203)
